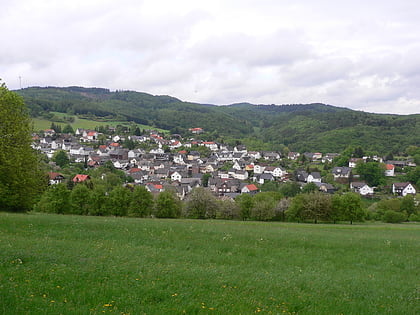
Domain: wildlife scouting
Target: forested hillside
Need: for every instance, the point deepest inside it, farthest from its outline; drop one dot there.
(311, 127)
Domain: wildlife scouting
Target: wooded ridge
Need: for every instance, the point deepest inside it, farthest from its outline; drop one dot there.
(300, 127)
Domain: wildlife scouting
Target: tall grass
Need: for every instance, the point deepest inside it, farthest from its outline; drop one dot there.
(52, 264)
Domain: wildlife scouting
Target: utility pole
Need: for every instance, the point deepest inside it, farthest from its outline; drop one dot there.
(20, 82)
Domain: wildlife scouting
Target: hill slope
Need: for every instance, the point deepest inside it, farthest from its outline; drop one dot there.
(311, 127)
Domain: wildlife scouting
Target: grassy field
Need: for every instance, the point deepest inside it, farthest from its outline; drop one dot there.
(53, 264)
(42, 124)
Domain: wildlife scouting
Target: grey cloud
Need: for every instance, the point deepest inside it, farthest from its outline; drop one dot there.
(319, 71)
(275, 49)
(354, 54)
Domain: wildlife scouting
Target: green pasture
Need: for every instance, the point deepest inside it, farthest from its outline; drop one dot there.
(42, 124)
(55, 264)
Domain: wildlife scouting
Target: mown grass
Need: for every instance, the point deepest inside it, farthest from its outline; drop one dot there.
(52, 264)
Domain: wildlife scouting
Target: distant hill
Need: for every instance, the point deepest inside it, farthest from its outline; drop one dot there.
(309, 127)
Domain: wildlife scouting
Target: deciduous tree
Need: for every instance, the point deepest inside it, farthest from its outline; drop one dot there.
(348, 207)
(60, 158)
(246, 203)
(371, 172)
(21, 179)
(167, 205)
(141, 204)
(56, 199)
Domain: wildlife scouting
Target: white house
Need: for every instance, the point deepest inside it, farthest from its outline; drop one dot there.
(55, 178)
(389, 170)
(276, 171)
(236, 166)
(175, 176)
(254, 154)
(249, 189)
(175, 144)
(314, 177)
(353, 162)
(211, 145)
(258, 169)
(403, 189)
(135, 153)
(341, 172)
(241, 175)
(179, 159)
(261, 179)
(361, 188)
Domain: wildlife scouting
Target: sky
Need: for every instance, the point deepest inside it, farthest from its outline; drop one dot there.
(363, 55)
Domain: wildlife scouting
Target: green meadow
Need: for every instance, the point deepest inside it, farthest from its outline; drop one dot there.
(42, 124)
(55, 264)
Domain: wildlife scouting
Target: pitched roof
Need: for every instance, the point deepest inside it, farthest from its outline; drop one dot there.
(80, 178)
(54, 175)
(252, 187)
(401, 185)
(359, 184)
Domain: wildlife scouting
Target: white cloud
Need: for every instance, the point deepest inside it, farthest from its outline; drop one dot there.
(357, 54)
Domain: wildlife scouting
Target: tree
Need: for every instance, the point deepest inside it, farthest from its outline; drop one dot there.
(167, 205)
(348, 207)
(118, 201)
(281, 208)
(314, 206)
(269, 186)
(227, 210)
(246, 203)
(68, 129)
(60, 158)
(358, 152)
(371, 172)
(129, 144)
(56, 127)
(141, 203)
(393, 217)
(201, 204)
(21, 178)
(54, 200)
(309, 188)
(205, 179)
(264, 206)
(98, 199)
(408, 205)
(413, 176)
(290, 189)
(80, 199)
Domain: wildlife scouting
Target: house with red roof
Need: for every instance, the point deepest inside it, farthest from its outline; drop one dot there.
(211, 145)
(80, 178)
(196, 130)
(154, 188)
(249, 189)
(389, 170)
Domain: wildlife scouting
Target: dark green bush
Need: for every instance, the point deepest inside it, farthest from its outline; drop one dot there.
(391, 216)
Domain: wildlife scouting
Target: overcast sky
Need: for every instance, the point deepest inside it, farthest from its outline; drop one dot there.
(359, 54)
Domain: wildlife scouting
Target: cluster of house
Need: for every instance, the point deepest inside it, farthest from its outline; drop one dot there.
(183, 170)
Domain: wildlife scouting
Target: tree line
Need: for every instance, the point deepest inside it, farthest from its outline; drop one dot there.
(101, 199)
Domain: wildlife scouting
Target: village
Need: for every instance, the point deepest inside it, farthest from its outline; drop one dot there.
(176, 163)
